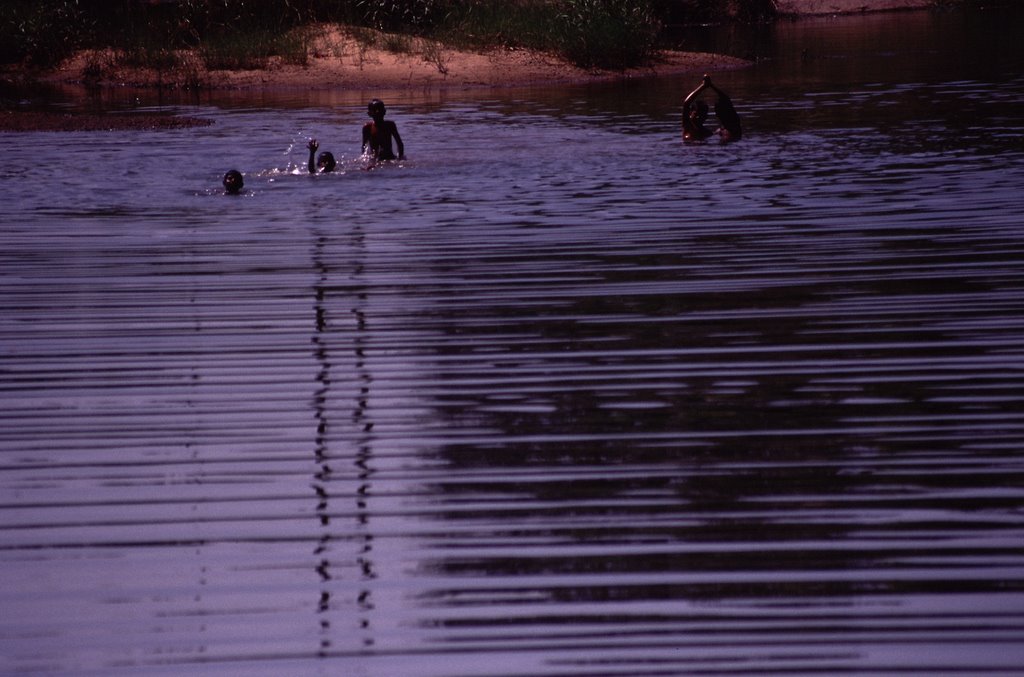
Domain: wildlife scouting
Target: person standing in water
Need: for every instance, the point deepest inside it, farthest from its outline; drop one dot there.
(695, 112)
(325, 163)
(378, 133)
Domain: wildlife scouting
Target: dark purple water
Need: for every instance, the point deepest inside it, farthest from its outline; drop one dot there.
(556, 396)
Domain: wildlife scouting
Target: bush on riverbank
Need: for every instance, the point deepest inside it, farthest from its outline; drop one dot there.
(612, 34)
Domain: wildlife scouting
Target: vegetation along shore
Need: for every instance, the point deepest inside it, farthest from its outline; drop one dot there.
(366, 44)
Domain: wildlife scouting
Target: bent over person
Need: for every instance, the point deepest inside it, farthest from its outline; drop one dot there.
(695, 113)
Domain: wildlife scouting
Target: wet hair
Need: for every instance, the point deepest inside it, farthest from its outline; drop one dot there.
(375, 106)
(233, 181)
(325, 161)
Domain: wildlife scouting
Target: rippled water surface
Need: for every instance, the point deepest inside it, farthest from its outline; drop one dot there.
(555, 396)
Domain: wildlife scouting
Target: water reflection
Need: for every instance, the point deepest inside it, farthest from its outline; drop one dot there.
(323, 470)
(331, 340)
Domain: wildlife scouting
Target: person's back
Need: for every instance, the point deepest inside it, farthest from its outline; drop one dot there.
(731, 129)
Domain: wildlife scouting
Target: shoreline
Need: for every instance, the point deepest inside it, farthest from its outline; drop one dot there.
(347, 66)
(811, 8)
(337, 58)
(339, 61)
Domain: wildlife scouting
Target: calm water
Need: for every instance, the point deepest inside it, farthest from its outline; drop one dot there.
(556, 396)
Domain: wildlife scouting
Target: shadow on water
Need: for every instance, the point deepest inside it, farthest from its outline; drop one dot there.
(354, 379)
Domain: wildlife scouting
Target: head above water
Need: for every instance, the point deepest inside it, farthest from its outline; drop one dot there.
(233, 181)
(376, 108)
(325, 162)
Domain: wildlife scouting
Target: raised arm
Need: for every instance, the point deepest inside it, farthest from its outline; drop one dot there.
(688, 101)
(693, 122)
(312, 146)
(726, 113)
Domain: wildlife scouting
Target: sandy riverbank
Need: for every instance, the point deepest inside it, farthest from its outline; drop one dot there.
(338, 60)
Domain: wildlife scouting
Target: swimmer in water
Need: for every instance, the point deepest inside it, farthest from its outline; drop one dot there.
(325, 163)
(378, 133)
(696, 112)
(233, 182)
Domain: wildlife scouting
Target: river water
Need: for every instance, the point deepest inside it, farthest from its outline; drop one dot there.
(555, 396)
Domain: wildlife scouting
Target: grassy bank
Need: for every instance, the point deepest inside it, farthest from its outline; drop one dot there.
(245, 34)
(237, 34)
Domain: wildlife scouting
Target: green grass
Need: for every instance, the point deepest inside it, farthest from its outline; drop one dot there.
(253, 48)
(43, 33)
(608, 33)
(589, 33)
